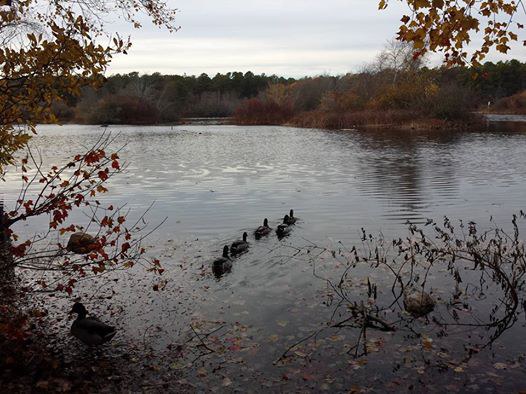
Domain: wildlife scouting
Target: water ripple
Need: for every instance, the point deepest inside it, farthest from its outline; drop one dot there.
(219, 179)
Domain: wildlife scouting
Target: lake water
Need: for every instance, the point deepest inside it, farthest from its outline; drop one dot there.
(211, 183)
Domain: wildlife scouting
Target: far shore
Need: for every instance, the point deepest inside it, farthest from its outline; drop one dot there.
(416, 125)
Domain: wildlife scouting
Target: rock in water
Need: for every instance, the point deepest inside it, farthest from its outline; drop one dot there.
(81, 243)
(418, 303)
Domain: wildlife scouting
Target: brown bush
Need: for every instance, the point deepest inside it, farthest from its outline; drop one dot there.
(515, 104)
(256, 111)
(349, 120)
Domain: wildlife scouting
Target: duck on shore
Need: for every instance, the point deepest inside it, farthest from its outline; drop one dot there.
(90, 330)
(222, 264)
(239, 246)
(261, 231)
(283, 229)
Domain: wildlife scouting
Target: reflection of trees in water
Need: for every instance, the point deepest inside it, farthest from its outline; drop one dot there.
(395, 165)
(506, 127)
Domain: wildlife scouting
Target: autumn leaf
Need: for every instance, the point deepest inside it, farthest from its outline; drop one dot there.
(103, 175)
(427, 343)
(273, 338)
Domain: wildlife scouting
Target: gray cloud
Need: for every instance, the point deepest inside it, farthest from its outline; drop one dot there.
(292, 38)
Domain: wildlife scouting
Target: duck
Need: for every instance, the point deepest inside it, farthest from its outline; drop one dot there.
(291, 219)
(90, 330)
(239, 246)
(222, 264)
(261, 231)
(283, 229)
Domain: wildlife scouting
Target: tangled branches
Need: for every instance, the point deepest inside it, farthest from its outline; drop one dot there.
(477, 277)
(55, 193)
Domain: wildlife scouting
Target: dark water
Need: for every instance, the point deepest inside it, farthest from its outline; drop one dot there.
(214, 182)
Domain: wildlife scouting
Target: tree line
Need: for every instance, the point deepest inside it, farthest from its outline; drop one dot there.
(395, 86)
(155, 98)
(396, 89)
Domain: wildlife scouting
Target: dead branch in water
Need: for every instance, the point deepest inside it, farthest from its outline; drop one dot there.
(493, 262)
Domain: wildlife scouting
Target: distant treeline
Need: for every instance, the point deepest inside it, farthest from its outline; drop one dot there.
(395, 89)
(388, 92)
(155, 98)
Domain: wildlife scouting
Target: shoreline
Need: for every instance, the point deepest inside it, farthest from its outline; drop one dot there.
(482, 118)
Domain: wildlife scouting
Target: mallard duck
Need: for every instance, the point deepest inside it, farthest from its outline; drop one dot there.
(291, 219)
(239, 246)
(90, 330)
(283, 229)
(261, 231)
(222, 264)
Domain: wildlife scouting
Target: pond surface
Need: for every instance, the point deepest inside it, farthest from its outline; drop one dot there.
(211, 183)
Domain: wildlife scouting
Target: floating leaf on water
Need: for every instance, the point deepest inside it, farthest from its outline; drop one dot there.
(356, 364)
(177, 365)
(42, 384)
(299, 353)
(374, 345)
(427, 343)
(307, 376)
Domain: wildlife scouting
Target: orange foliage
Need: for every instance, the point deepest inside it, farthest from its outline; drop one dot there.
(448, 26)
(50, 50)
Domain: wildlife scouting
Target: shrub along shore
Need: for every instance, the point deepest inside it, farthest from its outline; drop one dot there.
(363, 119)
(394, 91)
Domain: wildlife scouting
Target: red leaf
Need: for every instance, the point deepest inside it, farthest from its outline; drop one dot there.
(103, 175)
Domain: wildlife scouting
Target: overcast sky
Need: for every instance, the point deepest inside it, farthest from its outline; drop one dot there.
(291, 38)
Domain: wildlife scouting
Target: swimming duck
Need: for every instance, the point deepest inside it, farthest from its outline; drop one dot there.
(261, 231)
(291, 219)
(283, 229)
(222, 264)
(239, 246)
(90, 330)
